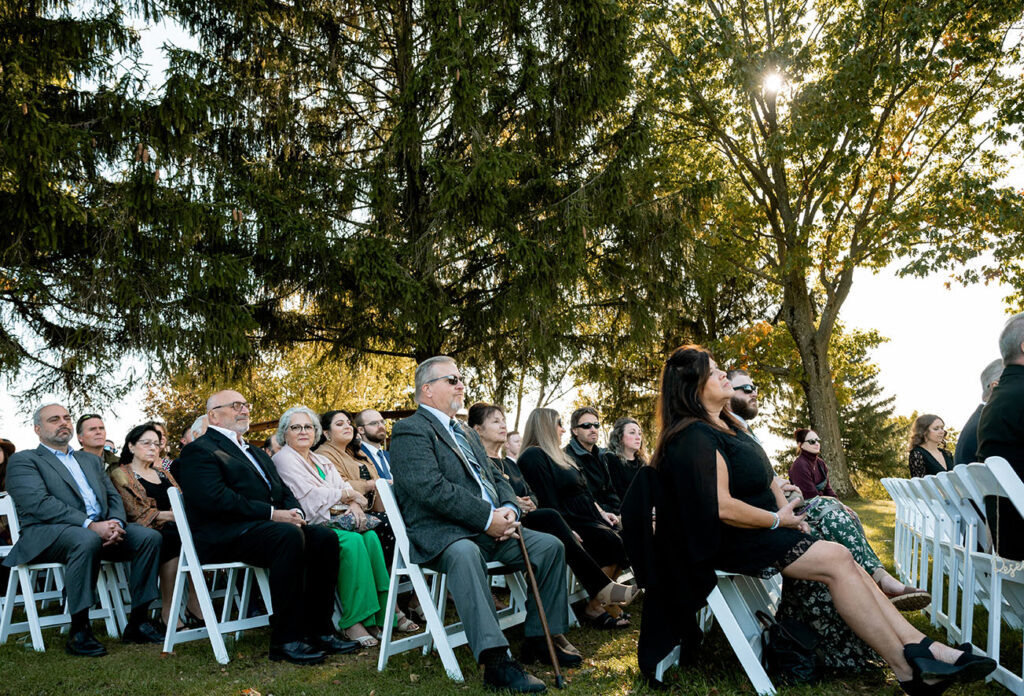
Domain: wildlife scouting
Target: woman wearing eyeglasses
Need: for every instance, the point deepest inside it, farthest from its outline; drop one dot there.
(328, 500)
(829, 519)
(143, 484)
(559, 484)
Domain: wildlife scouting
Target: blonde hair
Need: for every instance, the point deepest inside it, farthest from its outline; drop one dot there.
(542, 431)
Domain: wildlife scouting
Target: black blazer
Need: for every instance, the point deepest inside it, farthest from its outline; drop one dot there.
(1001, 434)
(224, 495)
(967, 444)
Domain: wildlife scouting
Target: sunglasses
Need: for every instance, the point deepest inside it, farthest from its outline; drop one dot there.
(812, 441)
(746, 389)
(588, 426)
(450, 379)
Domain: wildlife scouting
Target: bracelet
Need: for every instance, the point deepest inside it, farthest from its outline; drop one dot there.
(775, 524)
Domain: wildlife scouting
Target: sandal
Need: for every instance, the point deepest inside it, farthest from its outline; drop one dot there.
(606, 621)
(366, 641)
(404, 624)
(614, 593)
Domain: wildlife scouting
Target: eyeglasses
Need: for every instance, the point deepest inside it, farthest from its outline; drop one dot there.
(236, 406)
(812, 441)
(376, 423)
(746, 388)
(451, 379)
(588, 426)
(559, 422)
(148, 443)
(299, 428)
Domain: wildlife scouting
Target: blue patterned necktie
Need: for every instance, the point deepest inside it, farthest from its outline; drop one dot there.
(463, 443)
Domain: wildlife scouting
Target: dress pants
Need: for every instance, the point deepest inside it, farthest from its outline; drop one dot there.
(583, 565)
(81, 550)
(303, 567)
(465, 563)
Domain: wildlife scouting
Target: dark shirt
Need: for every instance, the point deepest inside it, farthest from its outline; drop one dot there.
(809, 473)
(967, 444)
(621, 472)
(1001, 434)
(510, 470)
(922, 463)
(560, 487)
(157, 491)
(599, 481)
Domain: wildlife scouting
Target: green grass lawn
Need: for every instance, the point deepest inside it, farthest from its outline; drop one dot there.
(610, 667)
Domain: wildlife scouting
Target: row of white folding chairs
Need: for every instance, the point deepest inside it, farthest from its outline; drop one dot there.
(941, 541)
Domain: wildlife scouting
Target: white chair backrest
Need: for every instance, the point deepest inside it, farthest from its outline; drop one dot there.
(997, 477)
(188, 548)
(387, 497)
(7, 510)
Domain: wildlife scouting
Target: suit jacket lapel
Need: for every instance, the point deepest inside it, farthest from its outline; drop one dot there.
(446, 437)
(62, 471)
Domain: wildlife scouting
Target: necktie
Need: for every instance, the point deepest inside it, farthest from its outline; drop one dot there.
(382, 466)
(463, 443)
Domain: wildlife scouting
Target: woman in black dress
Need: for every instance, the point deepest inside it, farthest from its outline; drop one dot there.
(927, 454)
(144, 484)
(718, 508)
(625, 454)
(488, 421)
(559, 485)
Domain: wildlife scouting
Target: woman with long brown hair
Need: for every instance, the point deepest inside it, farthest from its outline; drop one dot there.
(927, 452)
(719, 508)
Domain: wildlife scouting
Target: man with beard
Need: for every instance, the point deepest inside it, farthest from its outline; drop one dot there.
(373, 433)
(71, 513)
(461, 513)
(744, 399)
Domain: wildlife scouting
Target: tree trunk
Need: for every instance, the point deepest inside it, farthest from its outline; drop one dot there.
(820, 391)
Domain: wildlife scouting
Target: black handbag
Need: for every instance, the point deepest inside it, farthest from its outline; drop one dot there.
(790, 650)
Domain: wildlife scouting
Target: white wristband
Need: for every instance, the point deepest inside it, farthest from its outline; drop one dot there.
(775, 524)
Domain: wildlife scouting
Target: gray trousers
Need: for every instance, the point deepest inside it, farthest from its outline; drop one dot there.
(81, 550)
(465, 563)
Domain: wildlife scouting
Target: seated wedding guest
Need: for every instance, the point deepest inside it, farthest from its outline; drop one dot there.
(270, 446)
(488, 421)
(341, 445)
(6, 450)
(1001, 434)
(70, 513)
(372, 433)
(625, 454)
(718, 508)
(927, 454)
(92, 436)
(513, 445)
(143, 487)
(558, 484)
(584, 451)
(165, 444)
(329, 501)
(967, 444)
(808, 471)
(461, 515)
(195, 430)
(239, 509)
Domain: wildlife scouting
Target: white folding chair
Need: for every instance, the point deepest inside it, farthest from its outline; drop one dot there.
(432, 598)
(945, 540)
(734, 603)
(24, 578)
(189, 567)
(1005, 577)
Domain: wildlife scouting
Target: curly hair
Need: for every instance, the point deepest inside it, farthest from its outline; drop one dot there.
(920, 428)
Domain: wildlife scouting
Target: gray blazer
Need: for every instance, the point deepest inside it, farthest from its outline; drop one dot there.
(47, 499)
(435, 488)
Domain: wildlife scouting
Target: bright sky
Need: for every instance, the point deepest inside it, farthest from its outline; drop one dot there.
(939, 339)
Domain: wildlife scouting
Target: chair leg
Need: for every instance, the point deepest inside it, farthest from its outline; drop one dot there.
(435, 625)
(740, 643)
(387, 630)
(31, 611)
(7, 613)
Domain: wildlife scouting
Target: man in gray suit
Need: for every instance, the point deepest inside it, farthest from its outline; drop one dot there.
(70, 513)
(460, 514)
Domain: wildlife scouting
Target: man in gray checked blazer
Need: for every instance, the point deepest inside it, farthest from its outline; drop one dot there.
(460, 515)
(69, 512)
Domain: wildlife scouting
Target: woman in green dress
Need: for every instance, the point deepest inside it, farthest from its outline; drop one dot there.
(327, 499)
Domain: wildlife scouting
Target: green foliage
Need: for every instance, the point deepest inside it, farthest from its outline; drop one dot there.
(302, 376)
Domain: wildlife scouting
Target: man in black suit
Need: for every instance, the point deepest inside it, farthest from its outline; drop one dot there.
(1001, 433)
(70, 513)
(239, 509)
(967, 443)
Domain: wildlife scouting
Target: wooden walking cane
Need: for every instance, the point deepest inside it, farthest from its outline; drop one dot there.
(559, 681)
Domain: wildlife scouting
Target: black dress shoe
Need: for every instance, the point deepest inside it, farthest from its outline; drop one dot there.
(536, 650)
(298, 653)
(84, 644)
(333, 645)
(144, 632)
(505, 674)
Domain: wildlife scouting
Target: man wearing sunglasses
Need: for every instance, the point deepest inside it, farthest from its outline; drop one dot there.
(585, 425)
(744, 399)
(239, 509)
(461, 513)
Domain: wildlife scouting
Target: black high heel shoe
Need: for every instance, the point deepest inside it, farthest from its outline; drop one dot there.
(967, 668)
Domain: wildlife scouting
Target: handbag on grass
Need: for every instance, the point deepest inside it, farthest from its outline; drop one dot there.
(790, 650)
